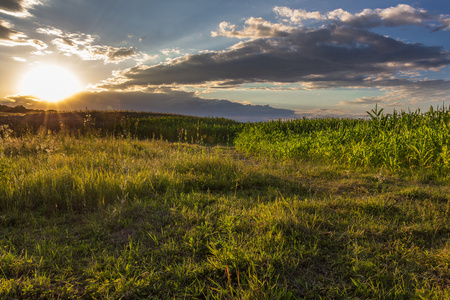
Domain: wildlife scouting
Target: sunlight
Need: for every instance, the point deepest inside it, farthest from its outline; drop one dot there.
(50, 83)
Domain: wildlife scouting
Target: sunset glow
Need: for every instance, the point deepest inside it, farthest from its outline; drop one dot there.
(50, 83)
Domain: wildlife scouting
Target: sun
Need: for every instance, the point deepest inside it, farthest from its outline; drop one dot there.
(50, 83)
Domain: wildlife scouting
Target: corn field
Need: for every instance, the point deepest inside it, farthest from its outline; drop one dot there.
(412, 142)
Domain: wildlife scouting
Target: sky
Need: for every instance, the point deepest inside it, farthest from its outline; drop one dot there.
(246, 60)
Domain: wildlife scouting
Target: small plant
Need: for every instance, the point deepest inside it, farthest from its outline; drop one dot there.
(5, 132)
(88, 122)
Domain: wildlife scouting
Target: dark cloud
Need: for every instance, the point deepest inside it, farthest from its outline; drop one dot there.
(119, 54)
(17, 7)
(10, 37)
(19, 100)
(12, 5)
(65, 41)
(165, 101)
(6, 32)
(326, 54)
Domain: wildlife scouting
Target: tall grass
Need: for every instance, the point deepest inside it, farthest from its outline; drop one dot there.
(169, 127)
(210, 131)
(414, 143)
(60, 173)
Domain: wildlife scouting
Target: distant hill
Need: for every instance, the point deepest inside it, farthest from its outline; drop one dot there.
(17, 109)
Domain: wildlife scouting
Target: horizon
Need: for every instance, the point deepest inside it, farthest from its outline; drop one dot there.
(235, 60)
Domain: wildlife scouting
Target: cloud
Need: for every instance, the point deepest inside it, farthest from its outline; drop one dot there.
(82, 45)
(331, 54)
(445, 24)
(255, 28)
(327, 113)
(297, 16)
(405, 93)
(399, 15)
(21, 59)
(20, 100)
(119, 54)
(18, 8)
(171, 51)
(362, 101)
(10, 37)
(7, 33)
(419, 92)
(165, 101)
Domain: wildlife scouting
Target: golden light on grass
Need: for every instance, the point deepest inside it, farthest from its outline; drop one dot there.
(50, 83)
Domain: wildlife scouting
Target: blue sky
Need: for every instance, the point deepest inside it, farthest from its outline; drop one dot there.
(246, 60)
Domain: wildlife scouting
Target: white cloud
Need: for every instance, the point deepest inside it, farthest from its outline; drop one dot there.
(399, 15)
(171, 51)
(363, 101)
(402, 14)
(297, 16)
(254, 28)
(21, 59)
(82, 45)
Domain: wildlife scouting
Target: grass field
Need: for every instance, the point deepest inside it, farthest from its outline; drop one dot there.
(101, 215)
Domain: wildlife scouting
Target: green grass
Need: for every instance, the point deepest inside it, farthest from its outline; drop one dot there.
(142, 125)
(204, 131)
(105, 217)
(414, 144)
